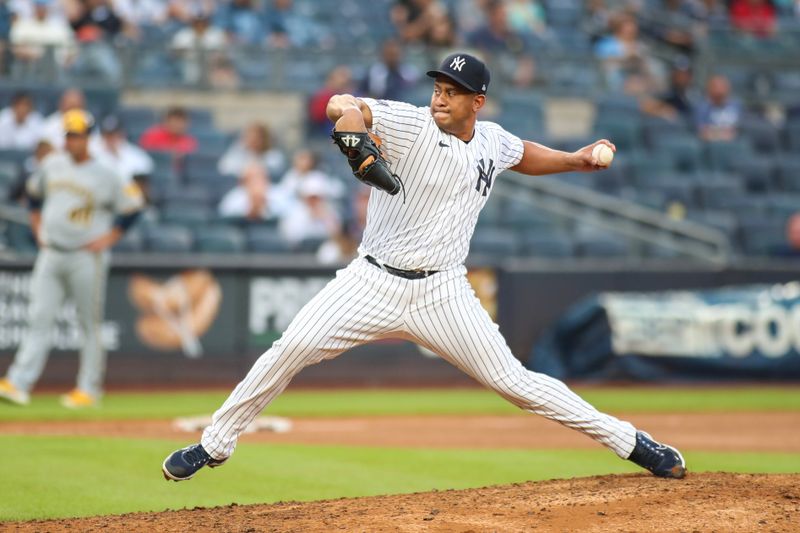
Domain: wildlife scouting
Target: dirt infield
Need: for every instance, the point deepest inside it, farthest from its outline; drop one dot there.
(629, 503)
(689, 431)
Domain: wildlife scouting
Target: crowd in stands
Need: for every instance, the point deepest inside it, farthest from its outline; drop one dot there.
(679, 132)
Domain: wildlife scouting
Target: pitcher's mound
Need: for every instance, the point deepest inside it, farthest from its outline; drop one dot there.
(635, 503)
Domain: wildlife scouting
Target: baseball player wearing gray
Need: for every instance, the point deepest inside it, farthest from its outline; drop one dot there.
(79, 209)
(409, 280)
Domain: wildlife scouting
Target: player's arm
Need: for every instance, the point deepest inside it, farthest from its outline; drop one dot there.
(129, 208)
(349, 113)
(538, 160)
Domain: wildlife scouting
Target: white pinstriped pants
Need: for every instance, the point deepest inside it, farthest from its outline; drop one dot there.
(364, 303)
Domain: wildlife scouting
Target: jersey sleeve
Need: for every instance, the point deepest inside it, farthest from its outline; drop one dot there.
(397, 124)
(509, 145)
(128, 197)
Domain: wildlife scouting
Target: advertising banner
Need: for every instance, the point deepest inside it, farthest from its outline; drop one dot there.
(749, 333)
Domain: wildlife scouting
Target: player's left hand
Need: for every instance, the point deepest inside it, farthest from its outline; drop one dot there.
(583, 161)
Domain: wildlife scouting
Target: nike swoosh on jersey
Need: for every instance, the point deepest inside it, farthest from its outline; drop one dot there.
(443, 145)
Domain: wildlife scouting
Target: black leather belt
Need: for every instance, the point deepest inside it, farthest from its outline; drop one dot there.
(408, 274)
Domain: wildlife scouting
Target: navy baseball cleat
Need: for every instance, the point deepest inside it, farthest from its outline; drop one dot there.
(660, 459)
(184, 463)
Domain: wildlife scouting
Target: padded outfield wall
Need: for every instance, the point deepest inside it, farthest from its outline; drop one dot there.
(203, 320)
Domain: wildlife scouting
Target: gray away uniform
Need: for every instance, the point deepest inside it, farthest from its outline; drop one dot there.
(80, 204)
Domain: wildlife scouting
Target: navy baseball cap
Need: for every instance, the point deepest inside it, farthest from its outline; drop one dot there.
(466, 70)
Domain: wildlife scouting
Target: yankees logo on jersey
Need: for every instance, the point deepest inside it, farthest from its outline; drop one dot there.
(441, 173)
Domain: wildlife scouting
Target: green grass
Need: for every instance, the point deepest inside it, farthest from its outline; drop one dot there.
(60, 477)
(380, 402)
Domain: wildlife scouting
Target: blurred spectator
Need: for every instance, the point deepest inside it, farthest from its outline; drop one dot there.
(290, 28)
(719, 114)
(626, 59)
(339, 81)
(139, 14)
(389, 78)
(21, 126)
(242, 22)
(596, 19)
(313, 217)
(40, 151)
(198, 42)
(792, 247)
(30, 37)
(96, 24)
(673, 24)
(680, 99)
(416, 20)
(526, 17)
(443, 34)
(711, 13)
(253, 146)
(113, 148)
(754, 16)
(343, 245)
(496, 35)
(171, 135)
(304, 168)
(5, 32)
(54, 124)
(250, 199)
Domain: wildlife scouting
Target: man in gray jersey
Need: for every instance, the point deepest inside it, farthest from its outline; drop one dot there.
(79, 209)
(409, 280)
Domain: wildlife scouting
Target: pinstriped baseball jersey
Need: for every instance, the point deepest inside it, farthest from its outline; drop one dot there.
(447, 183)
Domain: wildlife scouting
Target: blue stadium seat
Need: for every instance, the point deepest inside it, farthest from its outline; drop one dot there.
(266, 240)
(10, 172)
(763, 136)
(788, 173)
(546, 245)
(792, 138)
(674, 191)
(183, 214)
(762, 237)
(709, 191)
(722, 155)
(494, 242)
(758, 173)
(187, 195)
(17, 156)
(309, 245)
(169, 239)
(219, 239)
(685, 150)
(599, 246)
(131, 242)
(624, 132)
(20, 238)
(201, 168)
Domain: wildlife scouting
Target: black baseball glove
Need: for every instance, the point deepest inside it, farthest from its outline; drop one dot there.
(366, 160)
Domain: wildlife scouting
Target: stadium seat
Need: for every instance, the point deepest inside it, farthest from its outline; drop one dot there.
(309, 245)
(763, 136)
(708, 191)
(184, 214)
(20, 238)
(16, 156)
(788, 173)
(494, 243)
(546, 245)
(219, 239)
(605, 246)
(266, 240)
(724, 155)
(682, 192)
(686, 151)
(169, 239)
(626, 133)
(9, 172)
(131, 242)
(758, 173)
(201, 167)
(792, 138)
(186, 194)
(762, 238)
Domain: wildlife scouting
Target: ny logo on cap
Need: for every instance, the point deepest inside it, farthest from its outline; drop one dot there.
(457, 63)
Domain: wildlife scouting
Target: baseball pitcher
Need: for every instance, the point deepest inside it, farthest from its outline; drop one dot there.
(431, 176)
(79, 209)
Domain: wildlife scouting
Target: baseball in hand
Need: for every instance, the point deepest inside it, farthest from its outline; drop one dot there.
(603, 154)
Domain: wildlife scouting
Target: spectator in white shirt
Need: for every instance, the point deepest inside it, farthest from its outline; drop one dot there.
(20, 124)
(198, 42)
(304, 167)
(113, 148)
(314, 217)
(254, 145)
(30, 36)
(54, 124)
(250, 199)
